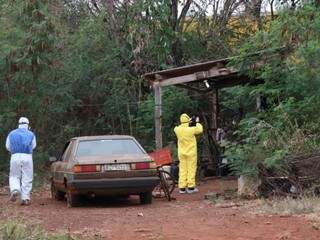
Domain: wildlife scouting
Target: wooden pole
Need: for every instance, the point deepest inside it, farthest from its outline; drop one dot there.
(215, 125)
(158, 114)
(215, 110)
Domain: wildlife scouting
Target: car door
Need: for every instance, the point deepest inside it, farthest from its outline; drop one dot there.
(61, 166)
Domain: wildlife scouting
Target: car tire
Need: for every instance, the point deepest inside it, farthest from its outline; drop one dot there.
(124, 196)
(72, 199)
(146, 198)
(56, 194)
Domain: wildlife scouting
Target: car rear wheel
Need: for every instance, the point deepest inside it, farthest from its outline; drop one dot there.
(72, 199)
(146, 198)
(56, 194)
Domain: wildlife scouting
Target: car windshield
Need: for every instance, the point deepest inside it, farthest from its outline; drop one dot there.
(108, 147)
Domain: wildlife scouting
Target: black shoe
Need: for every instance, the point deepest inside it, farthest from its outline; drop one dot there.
(182, 190)
(25, 202)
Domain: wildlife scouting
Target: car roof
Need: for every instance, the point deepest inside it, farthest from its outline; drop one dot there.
(100, 137)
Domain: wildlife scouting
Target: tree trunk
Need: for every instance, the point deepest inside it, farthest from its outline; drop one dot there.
(110, 8)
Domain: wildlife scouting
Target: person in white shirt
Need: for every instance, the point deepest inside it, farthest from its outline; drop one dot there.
(20, 143)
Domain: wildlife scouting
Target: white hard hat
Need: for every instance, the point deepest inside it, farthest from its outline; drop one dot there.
(23, 120)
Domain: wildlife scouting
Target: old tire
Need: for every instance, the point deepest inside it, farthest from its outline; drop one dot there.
(146, 198)
(72, 199)
(56, 194)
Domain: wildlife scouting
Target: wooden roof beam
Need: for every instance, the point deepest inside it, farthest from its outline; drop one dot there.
(185, 86)
(197, 76)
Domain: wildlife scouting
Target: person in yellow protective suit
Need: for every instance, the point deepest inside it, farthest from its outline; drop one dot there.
(187, 153)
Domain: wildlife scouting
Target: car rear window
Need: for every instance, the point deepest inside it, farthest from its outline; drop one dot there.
(108, 147)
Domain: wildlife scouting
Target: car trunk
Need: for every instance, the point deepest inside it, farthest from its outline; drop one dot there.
(114, 159)
(114, 166)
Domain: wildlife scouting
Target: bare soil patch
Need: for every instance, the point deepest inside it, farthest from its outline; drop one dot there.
(190, 217)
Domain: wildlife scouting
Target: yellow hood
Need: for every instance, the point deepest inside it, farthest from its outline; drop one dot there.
(184, 118)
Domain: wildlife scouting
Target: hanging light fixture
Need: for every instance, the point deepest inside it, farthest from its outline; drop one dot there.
(206, 84)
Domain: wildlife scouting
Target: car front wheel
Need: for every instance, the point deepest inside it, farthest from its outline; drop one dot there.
(146, 198)
(72, 199)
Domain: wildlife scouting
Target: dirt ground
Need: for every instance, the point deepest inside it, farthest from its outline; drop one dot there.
(189, 217)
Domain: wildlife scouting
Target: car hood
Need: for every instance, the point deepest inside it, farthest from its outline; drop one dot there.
(124, 158)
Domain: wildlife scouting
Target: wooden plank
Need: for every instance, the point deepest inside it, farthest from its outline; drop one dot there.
(184, 70)
(159, 77)
(158, 114)
(198, 76)
(179, 80)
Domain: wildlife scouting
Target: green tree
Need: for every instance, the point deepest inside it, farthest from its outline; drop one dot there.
(290, 72)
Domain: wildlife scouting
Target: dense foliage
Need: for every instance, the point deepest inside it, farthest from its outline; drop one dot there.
(289, 124)
(74, 68)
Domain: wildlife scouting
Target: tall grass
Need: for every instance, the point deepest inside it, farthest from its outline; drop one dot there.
(21, 230)
(288, 205)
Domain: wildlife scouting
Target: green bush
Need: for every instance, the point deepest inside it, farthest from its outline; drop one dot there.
(20, 230)
(290, 52)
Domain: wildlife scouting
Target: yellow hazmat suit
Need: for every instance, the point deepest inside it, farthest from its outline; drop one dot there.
(187, 151)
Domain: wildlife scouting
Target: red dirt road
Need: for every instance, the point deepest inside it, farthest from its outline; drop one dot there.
(190, 217)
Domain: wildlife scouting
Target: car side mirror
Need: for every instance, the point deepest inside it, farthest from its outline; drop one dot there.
(52, 159)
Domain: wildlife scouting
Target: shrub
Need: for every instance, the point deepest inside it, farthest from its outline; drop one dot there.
(20, 230)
